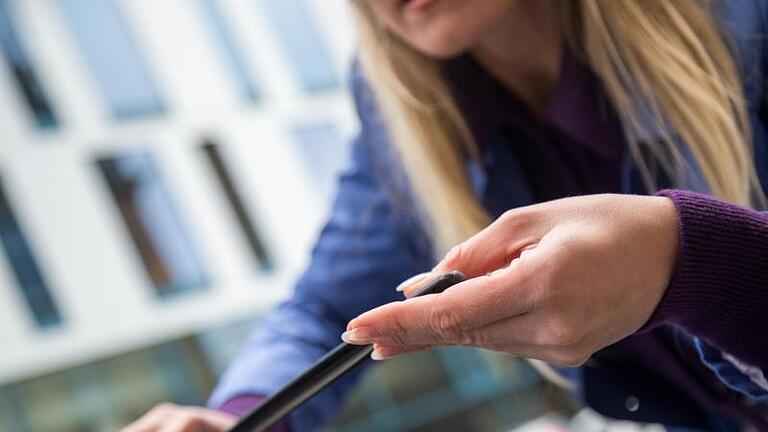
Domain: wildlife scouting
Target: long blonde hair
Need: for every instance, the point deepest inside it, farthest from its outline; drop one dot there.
(666, 59)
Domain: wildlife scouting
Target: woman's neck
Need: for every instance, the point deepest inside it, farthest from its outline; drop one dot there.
(523, 52)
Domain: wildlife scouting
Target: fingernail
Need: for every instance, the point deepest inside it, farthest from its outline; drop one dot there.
(377, 355)
(360, 335)
(410, 281)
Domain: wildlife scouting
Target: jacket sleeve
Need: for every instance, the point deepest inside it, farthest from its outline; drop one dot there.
(368, 246)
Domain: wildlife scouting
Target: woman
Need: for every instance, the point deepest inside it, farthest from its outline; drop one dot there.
(489, 106)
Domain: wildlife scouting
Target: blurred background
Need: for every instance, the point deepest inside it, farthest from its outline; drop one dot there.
(165, 167)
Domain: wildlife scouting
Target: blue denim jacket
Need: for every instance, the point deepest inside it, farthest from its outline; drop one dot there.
(372, 241)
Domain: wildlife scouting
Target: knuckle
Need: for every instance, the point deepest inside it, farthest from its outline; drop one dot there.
(397, 335)
(475, 339)
(545, 284)
(190, 421)
(568, 250)
(398, 330)
(391, 324)
(454, 257)
(446, 323)
(508, 217)
(564, 334)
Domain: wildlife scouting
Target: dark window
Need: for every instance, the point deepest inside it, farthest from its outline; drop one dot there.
(241, 214)
(113, 58)
(155, 225)
(22, 70)
(25, 268)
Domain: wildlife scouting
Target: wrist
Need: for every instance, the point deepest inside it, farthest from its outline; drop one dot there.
(669, 226)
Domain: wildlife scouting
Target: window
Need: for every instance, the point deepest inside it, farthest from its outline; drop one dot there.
(324, 153)
(25, 269)
(153, 222)
(22, 70)
(230, 49)
(255, 242)
(114, 60)
(302, 43)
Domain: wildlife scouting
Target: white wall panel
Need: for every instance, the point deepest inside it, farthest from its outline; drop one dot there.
(76, 230)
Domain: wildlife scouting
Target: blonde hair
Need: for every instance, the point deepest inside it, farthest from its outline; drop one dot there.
(663, 60)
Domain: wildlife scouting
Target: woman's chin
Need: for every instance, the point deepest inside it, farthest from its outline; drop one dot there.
(441, 47)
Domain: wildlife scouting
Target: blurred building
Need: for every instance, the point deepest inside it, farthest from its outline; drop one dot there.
(164, 169)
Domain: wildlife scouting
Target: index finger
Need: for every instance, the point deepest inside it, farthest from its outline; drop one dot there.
(441, 319)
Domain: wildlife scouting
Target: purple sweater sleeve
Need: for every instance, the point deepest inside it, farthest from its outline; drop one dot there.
(719, 290)
(242, 405)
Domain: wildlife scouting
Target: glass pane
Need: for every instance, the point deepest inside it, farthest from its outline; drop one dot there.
(153, 222)
(233, 196)
(112, 56)
(25, 269)
(302, 43)
(324, 153)
(22, 70)
(107, 394)
(230, 49)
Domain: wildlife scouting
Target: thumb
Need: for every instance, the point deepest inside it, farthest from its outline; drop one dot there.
(494, 247)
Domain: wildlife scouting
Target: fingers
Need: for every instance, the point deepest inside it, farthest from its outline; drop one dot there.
(443, 319)
(182, 424)
(412, 285)
(382, 352)
(529, 335)
(216, 420)
(489, 250)
(152, 420)
(496, 245)
(172, 418)
(193, 419)
(413, 281)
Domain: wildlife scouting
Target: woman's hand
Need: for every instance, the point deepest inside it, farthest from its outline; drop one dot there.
(555, 281)
(173, 418)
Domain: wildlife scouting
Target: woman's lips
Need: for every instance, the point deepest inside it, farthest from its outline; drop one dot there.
(416, 5)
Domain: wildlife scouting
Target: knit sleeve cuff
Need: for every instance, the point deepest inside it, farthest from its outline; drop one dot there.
(719, 289)
(241, 405)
